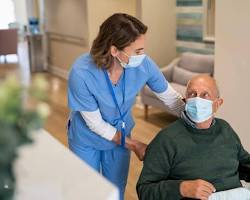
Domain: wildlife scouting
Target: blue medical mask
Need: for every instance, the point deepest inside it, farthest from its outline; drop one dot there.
(134, 61)
(198, 109)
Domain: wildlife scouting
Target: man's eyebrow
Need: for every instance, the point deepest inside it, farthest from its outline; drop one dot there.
(191, 90)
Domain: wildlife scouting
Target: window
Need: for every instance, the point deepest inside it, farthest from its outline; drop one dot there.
(209, 21)
(7, 13)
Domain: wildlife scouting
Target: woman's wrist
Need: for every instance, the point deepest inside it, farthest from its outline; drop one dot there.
(117, 138)
(129, 143)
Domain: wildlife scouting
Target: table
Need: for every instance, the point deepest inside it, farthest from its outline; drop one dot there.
(47, 170)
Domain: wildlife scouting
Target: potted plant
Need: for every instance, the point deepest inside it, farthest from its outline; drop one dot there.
(22, 110)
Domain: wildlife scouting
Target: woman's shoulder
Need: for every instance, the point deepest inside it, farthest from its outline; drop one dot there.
(149, 65)
(83, 62)
(83, 66)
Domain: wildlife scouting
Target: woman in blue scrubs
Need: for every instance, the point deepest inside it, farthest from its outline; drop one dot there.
(102, 88)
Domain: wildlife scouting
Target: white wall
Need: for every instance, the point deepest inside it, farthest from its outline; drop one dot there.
(160, 17)
(84, 17)
(232, 64)
(67, 17)
(21, 11)
(33, 8)
(99, 10)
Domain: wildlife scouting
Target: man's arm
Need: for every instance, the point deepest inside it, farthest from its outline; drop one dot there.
(244, 161)
(154, 180)
(243, 155)
(96, 124)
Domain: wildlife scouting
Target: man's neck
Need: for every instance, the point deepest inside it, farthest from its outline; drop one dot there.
(206, 124)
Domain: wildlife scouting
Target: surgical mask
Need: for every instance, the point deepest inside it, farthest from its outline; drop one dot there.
(134, 61)
(198, 109)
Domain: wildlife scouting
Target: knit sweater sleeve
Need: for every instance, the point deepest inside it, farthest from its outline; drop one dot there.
(154, 182)
(243, 155)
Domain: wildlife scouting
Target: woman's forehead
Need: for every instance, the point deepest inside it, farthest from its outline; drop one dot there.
(137, 45)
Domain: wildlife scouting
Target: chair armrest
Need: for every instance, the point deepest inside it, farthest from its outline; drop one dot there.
(168, 70)
(244, 172)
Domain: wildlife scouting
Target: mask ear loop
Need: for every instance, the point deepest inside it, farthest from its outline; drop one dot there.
(125, 54)
(123, 64)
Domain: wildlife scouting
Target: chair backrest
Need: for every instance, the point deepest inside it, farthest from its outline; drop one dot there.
(190, 65)
(8, 41)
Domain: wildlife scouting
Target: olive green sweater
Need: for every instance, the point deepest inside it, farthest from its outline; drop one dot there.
(181, 152)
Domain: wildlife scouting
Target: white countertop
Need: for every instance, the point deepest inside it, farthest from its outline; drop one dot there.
(47, 170)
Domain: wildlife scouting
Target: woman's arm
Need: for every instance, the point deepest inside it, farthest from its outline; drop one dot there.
(162, 89)
(172, 100)
(96, 124)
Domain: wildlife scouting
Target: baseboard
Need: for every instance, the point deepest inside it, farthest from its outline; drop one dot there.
(59, 71)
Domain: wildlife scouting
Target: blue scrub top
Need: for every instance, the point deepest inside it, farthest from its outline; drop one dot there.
(88, 91)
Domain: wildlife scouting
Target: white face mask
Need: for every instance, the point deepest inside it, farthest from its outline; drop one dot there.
(134, 61)
(198, 109)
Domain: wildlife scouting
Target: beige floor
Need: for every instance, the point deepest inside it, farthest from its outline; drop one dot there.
(143, 131)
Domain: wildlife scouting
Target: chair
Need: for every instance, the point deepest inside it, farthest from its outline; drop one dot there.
(8, 41)
(244, 172)
(178, 73)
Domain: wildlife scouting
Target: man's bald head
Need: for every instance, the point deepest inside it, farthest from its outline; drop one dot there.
(203, 86)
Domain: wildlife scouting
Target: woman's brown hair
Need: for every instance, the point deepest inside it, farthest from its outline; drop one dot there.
(119, 30)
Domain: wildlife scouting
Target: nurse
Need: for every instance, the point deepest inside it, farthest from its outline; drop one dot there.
(102, 88)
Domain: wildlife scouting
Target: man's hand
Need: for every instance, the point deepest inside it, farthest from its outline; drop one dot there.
(140, 149)
(197, 189)
(137, 147)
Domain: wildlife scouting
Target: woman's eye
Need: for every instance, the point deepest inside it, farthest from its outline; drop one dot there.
(139, 52)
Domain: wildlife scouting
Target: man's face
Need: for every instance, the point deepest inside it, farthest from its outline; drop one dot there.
(201, 88)
(204, 87)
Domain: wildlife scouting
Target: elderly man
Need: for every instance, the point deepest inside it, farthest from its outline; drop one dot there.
(195, 156)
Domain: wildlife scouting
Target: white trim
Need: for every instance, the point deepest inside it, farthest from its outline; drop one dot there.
(189, 9)
(59, 71)
(206, 36)
(209, 39)
(193, 45)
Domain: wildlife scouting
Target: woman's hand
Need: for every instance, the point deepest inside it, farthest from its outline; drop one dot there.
(137, 147)
(117, 138)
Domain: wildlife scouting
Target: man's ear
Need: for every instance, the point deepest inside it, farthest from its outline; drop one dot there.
(114, 51)
(220, 101)
(217, 104)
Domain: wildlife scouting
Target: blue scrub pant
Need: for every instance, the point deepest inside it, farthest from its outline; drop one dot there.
(112, 164)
